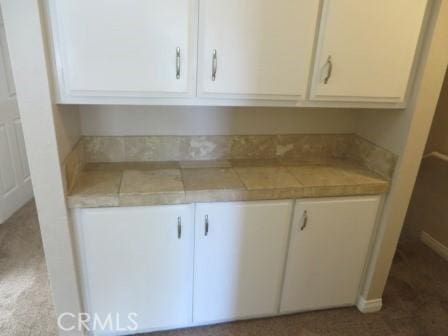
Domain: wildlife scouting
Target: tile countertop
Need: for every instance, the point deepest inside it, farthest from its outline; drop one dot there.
(158, 183)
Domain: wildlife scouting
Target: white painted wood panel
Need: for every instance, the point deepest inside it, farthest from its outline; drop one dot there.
(6, 63)
(25, 168)
(6, 162)
(263, 47)
(239, 262)
(15, 182)
(326, 259)
(125, 48)
(134, 261)
(372, 45)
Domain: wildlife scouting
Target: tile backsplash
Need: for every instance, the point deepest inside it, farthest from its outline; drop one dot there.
(184, 148)
(301, 147)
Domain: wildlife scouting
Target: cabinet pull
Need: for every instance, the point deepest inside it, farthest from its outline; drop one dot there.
(178, 63)
(214, 64)
(179, 227)
(329, 65)
(305, 220)
(206, 226)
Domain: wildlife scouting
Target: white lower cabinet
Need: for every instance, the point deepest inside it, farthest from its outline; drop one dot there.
(138, 260)
(329, 242)
(183, 265)
(239, 259)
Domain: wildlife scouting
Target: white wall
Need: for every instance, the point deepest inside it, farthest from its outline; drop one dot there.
(31, 73)
(67, 122)
(406, 134)
(386, 128)
(67, 119)
(141, 120)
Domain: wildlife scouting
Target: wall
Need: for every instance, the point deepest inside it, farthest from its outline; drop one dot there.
(438, 136)
(67, 122)
(67, 119)
(428, 210)
(406, 133)
(141, 120)
(23, 23)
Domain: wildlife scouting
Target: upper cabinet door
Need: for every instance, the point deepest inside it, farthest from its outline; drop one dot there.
(122, 48)
(366, 49)
(258, 49)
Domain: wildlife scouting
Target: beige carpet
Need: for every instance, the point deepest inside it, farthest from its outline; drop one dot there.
(25, 303)
(415, 304)
(415, 300)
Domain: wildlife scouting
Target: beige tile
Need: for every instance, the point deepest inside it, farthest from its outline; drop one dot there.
(210, 147)
(373, 157)
(97, 183)
(316, 161)
(313, 175)
(253, 147)
(363, 176)
(326, 181)
(218, 195)
(95, 189)
(255, 162)
(150, 187)
(155, 148)
(312, 147)
(73, 165)
(122, 166)
(205, 164)
(162, 198)
(151, 181)
(104, 149)
(92, 201)
(211, 179)
(259, 178)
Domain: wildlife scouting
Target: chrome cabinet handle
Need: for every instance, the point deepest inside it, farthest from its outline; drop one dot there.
(179, 227)
(206, 226)
(329, 65)
(214, 64)
(305, 220)
(178, 63)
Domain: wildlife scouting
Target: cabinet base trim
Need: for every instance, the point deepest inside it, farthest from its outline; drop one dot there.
(369, 306)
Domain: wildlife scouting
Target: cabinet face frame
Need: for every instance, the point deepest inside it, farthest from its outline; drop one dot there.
(60, 67)
(394, 102)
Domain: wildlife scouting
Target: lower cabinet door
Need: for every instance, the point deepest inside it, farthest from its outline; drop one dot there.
(240, 251)
(327, 253)
(137, 267)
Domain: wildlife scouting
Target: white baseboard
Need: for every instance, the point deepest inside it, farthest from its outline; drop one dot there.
(369, 306)
(437, 155)
(434, 245)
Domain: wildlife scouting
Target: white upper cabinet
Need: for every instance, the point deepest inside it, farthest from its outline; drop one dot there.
(366, 50)
(258, 49)
(331, 53)
(125, 48)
